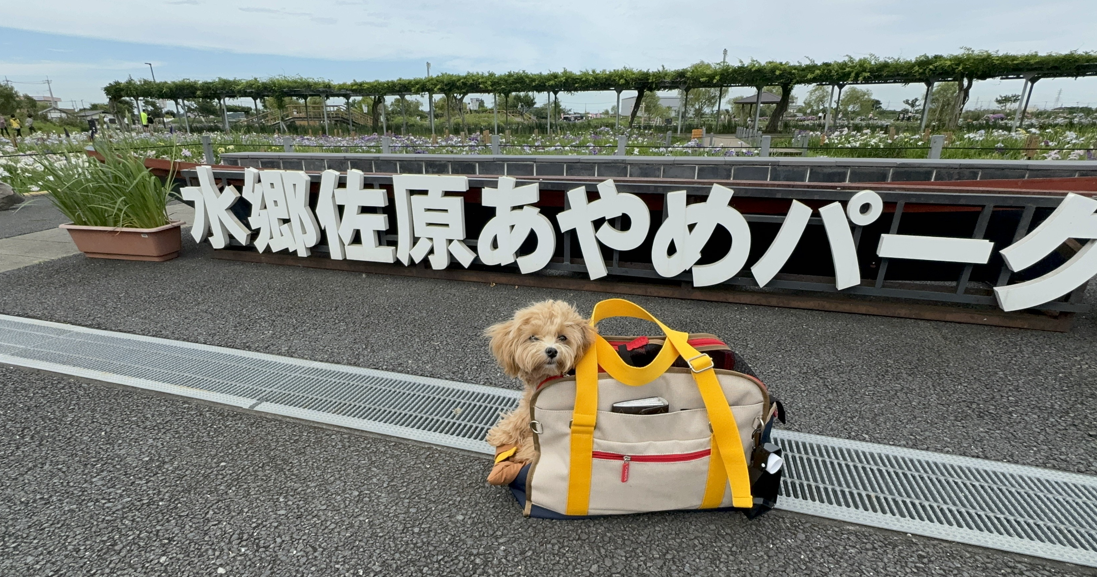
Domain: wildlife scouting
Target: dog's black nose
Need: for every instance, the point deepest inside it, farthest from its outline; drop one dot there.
(550, 353)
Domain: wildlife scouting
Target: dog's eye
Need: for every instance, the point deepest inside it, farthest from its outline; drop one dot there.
(533, 339)
(562, 338)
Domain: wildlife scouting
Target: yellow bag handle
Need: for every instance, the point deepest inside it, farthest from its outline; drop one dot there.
(727, 446)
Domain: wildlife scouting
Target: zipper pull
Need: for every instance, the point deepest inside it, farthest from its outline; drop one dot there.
(624, 468)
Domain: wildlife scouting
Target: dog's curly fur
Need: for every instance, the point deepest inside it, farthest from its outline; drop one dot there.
(543, 340)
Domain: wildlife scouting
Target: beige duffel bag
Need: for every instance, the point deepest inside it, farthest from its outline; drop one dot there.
(696, 455)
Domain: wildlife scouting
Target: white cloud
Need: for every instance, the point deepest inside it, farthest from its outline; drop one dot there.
(502, 35)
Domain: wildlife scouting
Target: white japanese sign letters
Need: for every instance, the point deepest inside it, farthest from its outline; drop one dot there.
(430, 224)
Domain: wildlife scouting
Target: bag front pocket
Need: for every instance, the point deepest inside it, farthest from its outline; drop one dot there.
(627, 460)
(650, 476)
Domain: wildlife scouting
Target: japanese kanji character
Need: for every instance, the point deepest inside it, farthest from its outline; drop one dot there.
(212, 209)
(703, 217)
(280, 210)
(340, 228)
(1075, 217)
(504, 234)
(581, 215)
(433, 218)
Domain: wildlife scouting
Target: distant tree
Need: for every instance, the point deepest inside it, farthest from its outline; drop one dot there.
(700, 102)
(816, 100)
(652, 107)
(153, 109)
(10, 100)
(523, 102)
(1007, 101)
(857, 103)
(913, 103)
(777, 111)
(942, 104)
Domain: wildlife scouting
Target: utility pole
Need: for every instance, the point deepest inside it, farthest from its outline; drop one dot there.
(430, 104)
(720, 96)
(50, 87)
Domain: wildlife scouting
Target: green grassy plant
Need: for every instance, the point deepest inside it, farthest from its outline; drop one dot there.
(118, 192)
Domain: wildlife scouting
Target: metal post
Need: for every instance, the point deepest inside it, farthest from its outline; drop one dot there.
(681, 106)
(1031, 85)
(1020, 103)
(668, 138)
(384, 117)
(765, 147)
(324, 109)
(495, 111)
(548, 115)
(350, 118)
(829, 111)
(925, 106)
(837, 103)
(404, 116)
(936, 143)
(617, 120)
(622, 142)
(225, 114)
(386, 144)
(207, 148)
(430, 104)
(186, 122)
(495, 144)
(287, 143)
(758, 109)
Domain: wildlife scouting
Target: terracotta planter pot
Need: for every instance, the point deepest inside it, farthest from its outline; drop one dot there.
(154, 244)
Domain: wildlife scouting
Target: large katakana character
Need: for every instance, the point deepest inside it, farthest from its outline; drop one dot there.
(703, 217)
(341, 226)
(437, 220)
(504, 234)
(212, 209)
(843, 252)
(1075, 217)
(280, 210)
(581, 215)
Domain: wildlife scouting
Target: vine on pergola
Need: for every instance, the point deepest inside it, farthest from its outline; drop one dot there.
(963, 68)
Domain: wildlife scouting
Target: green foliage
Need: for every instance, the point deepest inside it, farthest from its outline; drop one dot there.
(942, 103)
(1007, 101)
(857, 103)
(119, 192)
(652, 107)
(968, 64)
(816, 100)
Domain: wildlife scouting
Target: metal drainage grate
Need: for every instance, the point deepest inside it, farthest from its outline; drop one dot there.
(1020, 509)
(418, 408)
(1026, 510)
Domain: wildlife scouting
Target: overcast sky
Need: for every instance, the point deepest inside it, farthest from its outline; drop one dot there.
(82, 45)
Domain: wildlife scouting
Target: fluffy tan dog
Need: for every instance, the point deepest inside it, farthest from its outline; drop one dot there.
(543, 340)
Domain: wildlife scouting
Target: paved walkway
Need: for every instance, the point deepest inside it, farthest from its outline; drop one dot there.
(52, 243)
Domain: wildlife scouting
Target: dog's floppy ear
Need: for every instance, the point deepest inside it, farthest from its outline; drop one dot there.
(504, 346)
(588, 335)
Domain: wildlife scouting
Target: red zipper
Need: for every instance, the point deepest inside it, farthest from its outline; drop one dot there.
(626, 459)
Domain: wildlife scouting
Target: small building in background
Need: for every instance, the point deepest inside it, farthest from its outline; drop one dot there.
(53, 113)
(476, 103)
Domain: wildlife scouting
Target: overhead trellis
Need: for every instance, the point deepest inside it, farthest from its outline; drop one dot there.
(973, 65)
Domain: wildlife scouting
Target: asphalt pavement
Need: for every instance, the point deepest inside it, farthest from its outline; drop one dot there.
(1026, 397)
(96, 479)
(101, 480)
(36, 214)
